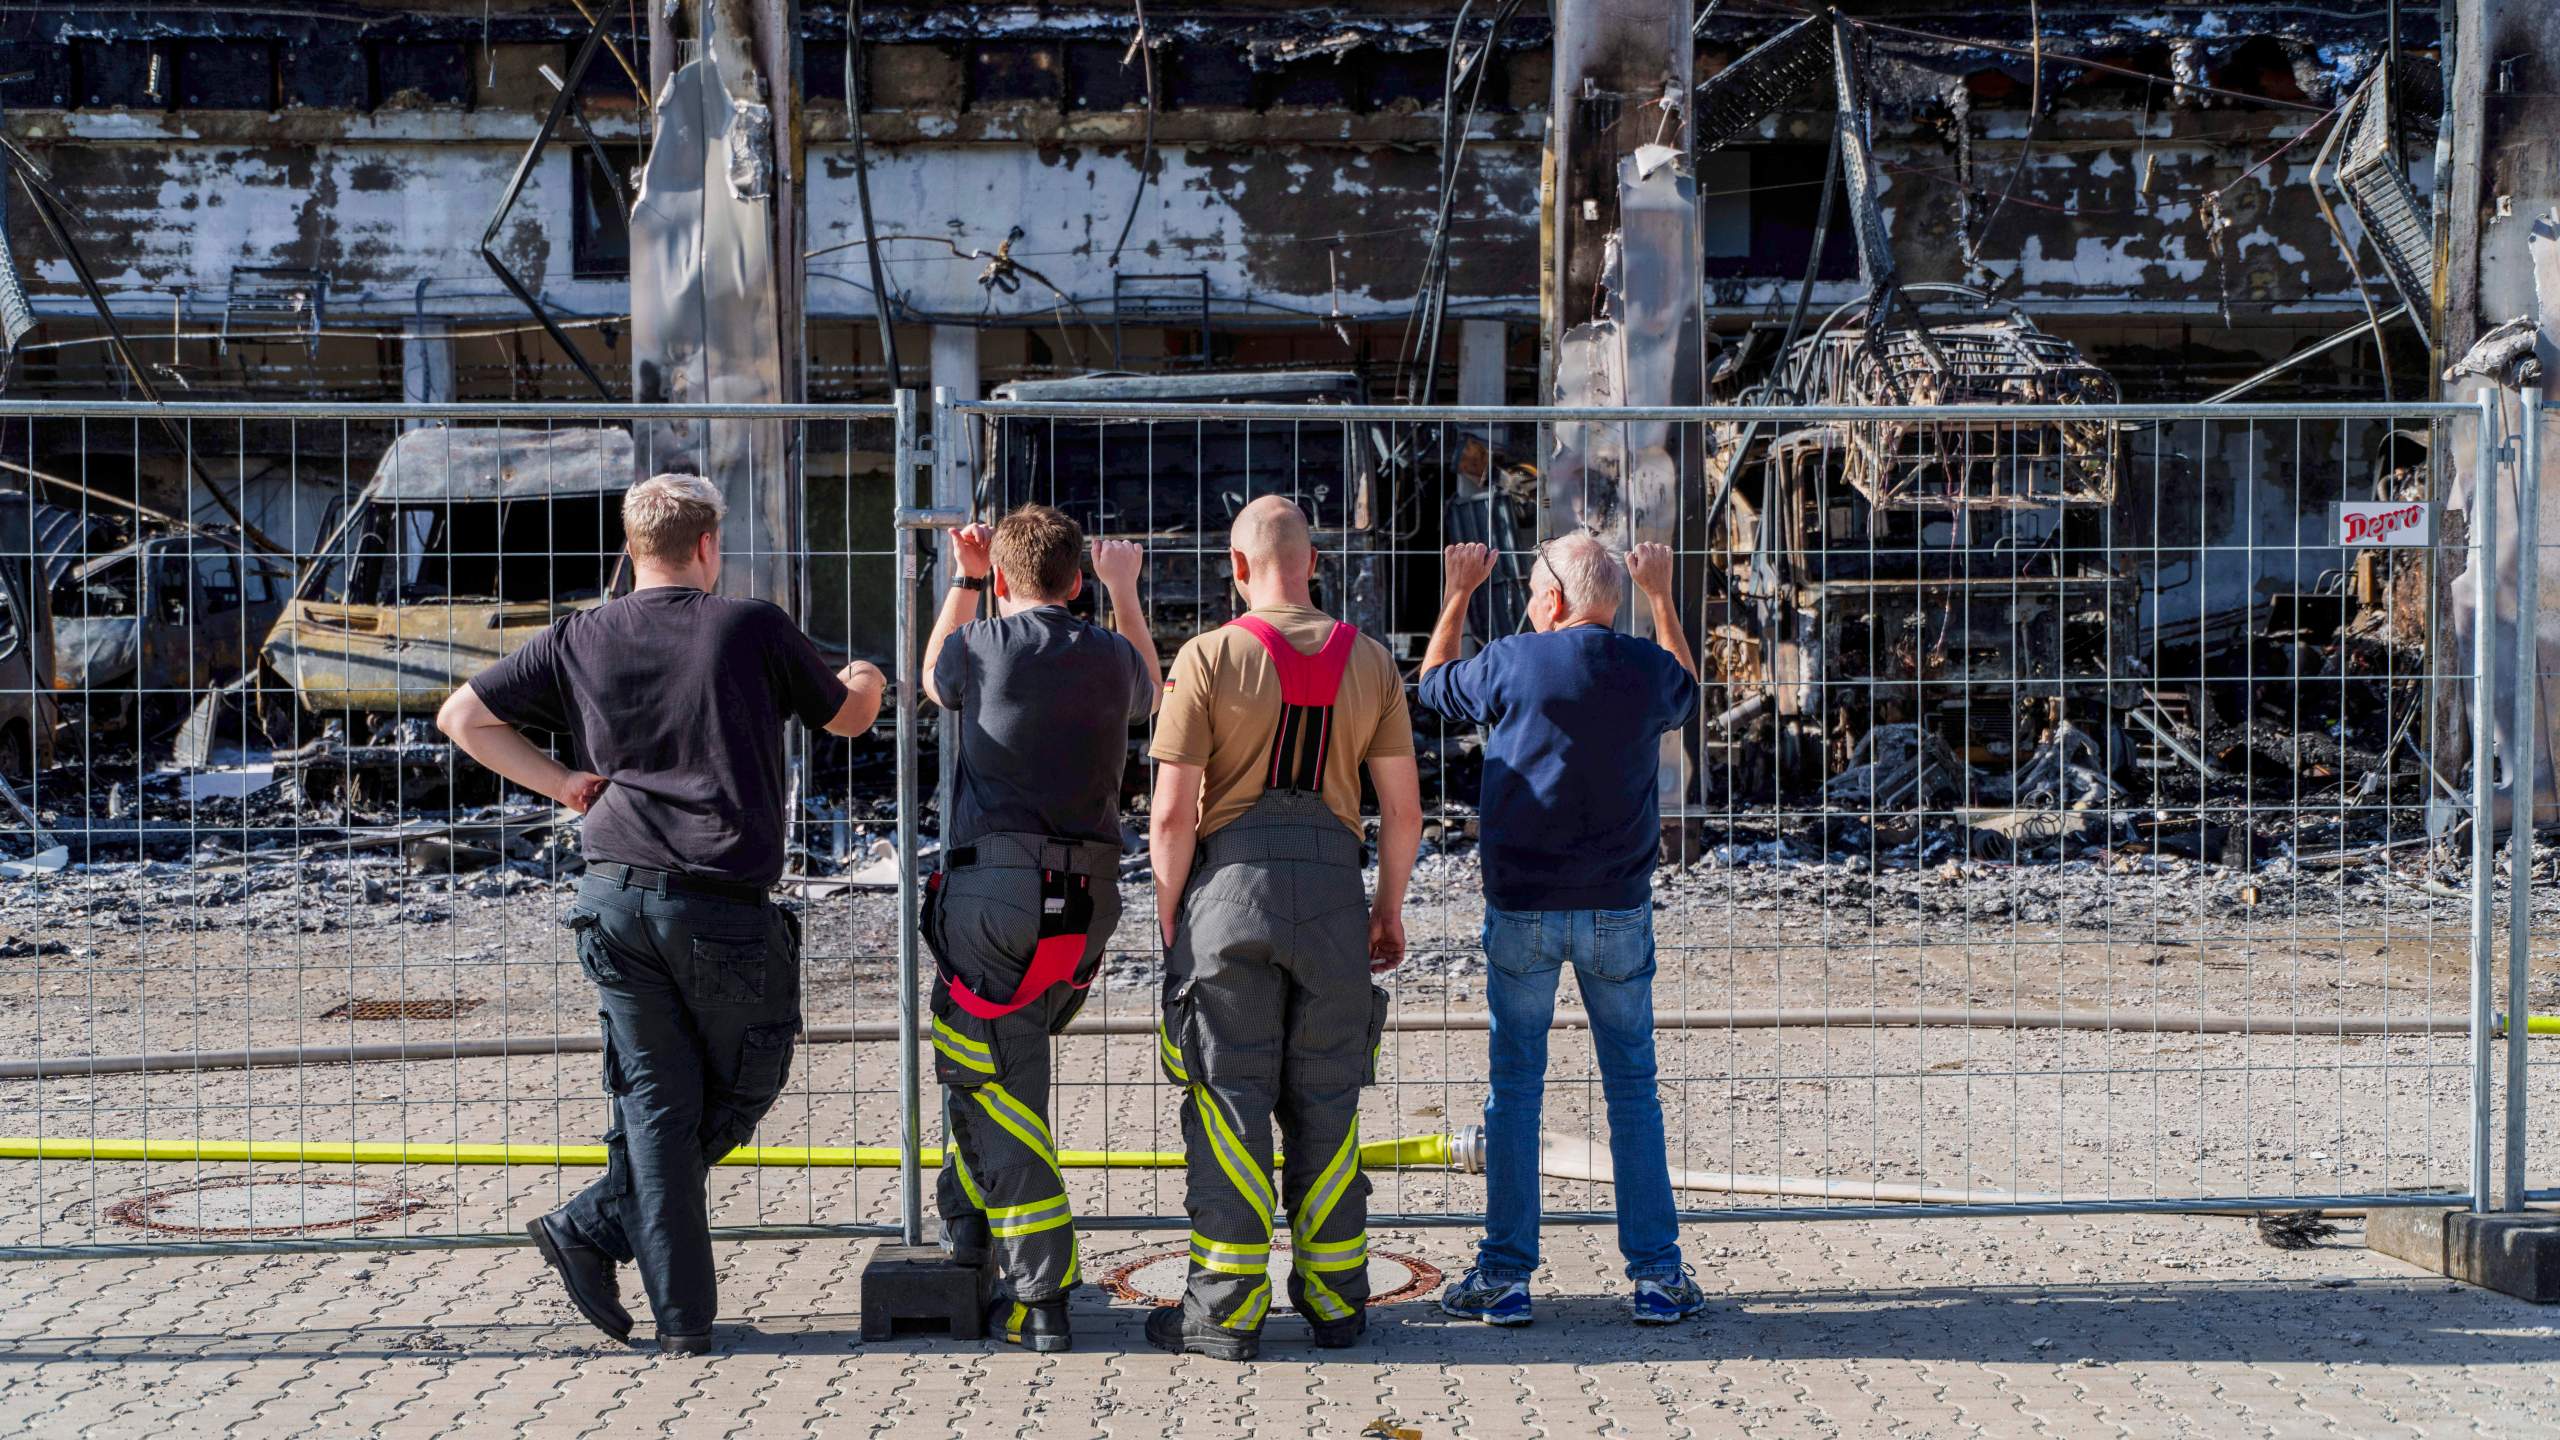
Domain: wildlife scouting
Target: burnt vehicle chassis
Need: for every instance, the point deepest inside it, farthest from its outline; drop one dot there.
(1954, 576)
(1176, 486)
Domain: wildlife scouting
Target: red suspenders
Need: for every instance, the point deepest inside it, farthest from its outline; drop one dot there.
(1308, 685)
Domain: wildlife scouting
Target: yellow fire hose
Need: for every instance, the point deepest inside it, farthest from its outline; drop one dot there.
(1425, 1152)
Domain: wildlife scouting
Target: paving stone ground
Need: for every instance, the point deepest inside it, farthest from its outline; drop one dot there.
(2134, 1326)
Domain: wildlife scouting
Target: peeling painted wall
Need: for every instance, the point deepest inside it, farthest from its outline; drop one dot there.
(377, 218)
(1263, 222)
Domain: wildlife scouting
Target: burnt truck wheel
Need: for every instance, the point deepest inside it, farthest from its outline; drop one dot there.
(17, 755)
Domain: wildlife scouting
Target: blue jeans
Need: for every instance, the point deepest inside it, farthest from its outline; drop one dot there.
(1611, 952)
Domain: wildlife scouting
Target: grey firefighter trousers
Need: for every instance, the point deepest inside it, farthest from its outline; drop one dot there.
(994, 902)
(1270, 1016)
(700, 999)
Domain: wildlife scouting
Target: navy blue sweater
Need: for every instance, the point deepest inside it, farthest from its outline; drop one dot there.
(1576, 716)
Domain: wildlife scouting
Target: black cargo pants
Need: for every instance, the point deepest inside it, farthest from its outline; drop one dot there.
(701, 1005)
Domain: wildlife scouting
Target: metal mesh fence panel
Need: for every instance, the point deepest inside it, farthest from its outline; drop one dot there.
(283, 968)
(2077, 815)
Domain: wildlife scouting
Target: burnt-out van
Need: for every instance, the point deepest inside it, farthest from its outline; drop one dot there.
(466, 541)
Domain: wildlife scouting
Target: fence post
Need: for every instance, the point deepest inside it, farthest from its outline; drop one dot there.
(910, 1099)
(2521, 789)
(920, 462)
(2484, 779)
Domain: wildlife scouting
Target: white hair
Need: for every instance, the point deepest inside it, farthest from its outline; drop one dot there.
(1592, 579)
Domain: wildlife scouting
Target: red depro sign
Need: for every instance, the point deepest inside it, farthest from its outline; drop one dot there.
(2383, 522)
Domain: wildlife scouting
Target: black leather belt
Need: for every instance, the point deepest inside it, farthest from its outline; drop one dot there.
(667, 882)
(1076, 857)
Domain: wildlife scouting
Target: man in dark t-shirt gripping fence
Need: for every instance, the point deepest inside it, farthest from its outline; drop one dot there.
(675, 700)
(1570, 820)
(1028, 894)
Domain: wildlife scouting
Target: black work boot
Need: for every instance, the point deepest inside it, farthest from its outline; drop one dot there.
(966, 1240)
(1172, 1328)
(1340, 1334)
(587, 1273)
(1040, 1327)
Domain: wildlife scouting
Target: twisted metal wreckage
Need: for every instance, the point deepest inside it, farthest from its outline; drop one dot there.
(1935, 609)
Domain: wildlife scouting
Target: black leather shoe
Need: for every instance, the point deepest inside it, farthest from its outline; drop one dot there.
(684, 1344)
(587, 1273)
(1171, 1328)
(1041, 1328)
(966, 1241)
(1341, 1334)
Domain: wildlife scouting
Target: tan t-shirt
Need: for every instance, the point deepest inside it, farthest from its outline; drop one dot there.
(1222, 710)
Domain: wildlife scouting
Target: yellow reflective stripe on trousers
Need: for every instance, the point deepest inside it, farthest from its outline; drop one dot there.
(1172, 1058)
(1230, 1259)
(965, 1052)
(1013, 1322)
(1348, 1254)
(1325, 1194)
(1017, 1118)
(968, 1185)
(1232, 1156)
(1014, 1221)
(1330, 1186)
(1248, 1316)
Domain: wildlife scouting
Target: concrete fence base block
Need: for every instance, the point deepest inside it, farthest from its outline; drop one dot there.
(2514, 1254)
(916, 1289)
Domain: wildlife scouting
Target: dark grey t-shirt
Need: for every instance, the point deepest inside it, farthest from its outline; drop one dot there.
(1045, 702)
(678, 699)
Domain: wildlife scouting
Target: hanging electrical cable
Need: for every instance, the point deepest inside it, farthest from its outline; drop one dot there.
(1143, 47)
(880, 297)
(1431, 298)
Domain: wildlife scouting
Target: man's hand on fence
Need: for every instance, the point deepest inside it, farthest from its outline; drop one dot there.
(1463, 568)
(1649, 566)
(1116, 563)
(969, 552)
(580, 789)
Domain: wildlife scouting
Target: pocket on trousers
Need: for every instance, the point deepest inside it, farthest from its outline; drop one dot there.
(1515, 940)
(964, 1052)
(1378, 1001)
(732, 971)
(1178, 1032)
(1621, 944)
(593, 955)
(614, 1083)
(764, 1062)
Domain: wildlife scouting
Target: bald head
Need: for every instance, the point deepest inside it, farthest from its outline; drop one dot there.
(1273, 531)
(1274, 552)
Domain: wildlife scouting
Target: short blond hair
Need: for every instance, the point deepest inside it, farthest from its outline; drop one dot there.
(665, 516)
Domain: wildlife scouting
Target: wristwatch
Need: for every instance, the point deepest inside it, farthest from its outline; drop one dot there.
(969, 582)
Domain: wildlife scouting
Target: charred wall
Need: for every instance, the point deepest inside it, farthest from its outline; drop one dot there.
(1292, 167)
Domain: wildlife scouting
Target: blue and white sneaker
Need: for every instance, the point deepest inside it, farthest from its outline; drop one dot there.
(1668, 1302)
(1495, 1302)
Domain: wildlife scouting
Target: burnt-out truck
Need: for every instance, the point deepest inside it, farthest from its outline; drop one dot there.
(1175, 485)
(1954, 575)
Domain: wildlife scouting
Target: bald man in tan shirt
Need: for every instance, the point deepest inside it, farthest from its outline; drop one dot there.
(1269, 1013)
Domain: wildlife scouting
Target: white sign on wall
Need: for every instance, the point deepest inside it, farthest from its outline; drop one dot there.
(2385, 522)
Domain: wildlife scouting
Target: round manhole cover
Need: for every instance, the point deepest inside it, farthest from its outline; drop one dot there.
(254, 1205)
(1158, 1279)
